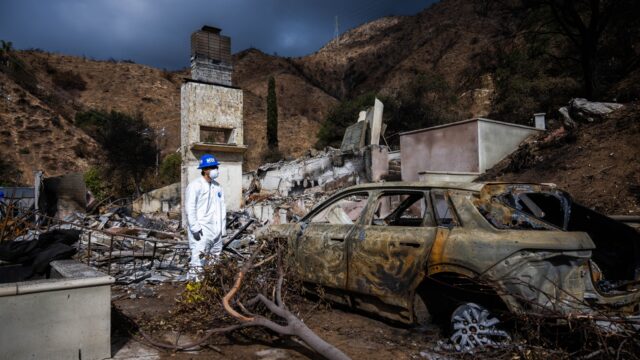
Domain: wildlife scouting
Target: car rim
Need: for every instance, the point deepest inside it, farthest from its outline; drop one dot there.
(473, 327)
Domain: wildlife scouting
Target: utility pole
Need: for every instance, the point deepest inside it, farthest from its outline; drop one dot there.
(336, 33)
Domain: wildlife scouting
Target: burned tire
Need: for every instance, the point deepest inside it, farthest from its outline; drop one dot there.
(444, 293)
(473, 326)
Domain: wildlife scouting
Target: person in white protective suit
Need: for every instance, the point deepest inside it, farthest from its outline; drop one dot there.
(206, 215)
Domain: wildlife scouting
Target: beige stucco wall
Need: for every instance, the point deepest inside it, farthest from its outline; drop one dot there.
(164, 199)
(498, 140)
(470, 146)
(451, 148)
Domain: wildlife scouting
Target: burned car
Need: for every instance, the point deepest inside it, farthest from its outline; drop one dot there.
(465, 249)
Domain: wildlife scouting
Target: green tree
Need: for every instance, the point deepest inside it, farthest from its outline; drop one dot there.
(94, 179)
(128, 142)
(170, 168)
(272, 115)
(6, 51)
(526, 83)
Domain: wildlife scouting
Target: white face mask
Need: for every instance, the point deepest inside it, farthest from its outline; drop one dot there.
(213, 173)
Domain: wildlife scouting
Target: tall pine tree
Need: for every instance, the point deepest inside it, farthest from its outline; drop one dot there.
(272, 115)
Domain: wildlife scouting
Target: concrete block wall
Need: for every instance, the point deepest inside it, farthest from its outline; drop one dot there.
(65, 317)
(446, 148)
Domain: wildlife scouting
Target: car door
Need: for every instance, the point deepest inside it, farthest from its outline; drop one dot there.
(321, 254)
(389, 250)
(446, 220)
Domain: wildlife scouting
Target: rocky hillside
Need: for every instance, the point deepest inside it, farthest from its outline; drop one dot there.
(378, 56)
(597, 163)
(46, 106)
(301, 106)
(36, 136)
(457, 59)
(385, 55)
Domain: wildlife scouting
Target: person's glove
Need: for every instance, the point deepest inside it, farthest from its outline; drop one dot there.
(197, 235)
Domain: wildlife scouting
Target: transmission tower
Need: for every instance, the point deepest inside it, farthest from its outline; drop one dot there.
(336, 33)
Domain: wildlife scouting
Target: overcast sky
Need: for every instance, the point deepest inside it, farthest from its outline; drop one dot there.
(156, 32)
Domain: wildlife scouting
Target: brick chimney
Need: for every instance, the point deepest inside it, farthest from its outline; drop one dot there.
(211, 56)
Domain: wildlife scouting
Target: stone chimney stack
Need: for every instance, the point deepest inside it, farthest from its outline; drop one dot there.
(211, 56)
(539, 119)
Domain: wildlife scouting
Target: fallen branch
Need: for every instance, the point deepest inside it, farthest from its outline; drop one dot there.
(294, 326)
(290, 326)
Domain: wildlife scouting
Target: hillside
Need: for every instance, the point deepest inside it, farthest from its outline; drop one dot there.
(36, 136)
(380, 56)
(385, 55)
(453, 60)
(132, 89)
(301, 106)
(598, 163)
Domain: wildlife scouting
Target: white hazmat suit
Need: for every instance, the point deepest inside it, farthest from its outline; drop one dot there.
(206, 212)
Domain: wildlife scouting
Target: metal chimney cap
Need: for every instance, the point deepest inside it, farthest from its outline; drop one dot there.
(211, 29)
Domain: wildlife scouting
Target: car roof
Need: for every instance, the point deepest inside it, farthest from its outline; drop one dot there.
(466, 186)
(469, 186)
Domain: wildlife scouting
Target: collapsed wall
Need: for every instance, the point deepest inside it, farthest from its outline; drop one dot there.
(290, 186)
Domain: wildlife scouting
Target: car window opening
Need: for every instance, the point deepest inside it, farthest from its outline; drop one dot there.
(345, 211)
(443, 210)
(544, 206)
(534, 211)
(398, 209)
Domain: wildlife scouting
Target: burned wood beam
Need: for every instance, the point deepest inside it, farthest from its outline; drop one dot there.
(237, 234)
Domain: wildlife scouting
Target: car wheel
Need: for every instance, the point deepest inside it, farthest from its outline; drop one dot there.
(474, 327)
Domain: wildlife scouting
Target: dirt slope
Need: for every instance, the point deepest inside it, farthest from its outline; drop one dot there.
(36, 137)
(380, 56)
(385, 55)
(155, 93)
(599, 164)
(301, 105)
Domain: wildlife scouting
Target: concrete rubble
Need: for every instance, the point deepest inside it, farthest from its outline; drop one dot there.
(131, 248)
(144, 241)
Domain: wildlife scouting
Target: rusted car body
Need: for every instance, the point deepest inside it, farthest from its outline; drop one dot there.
(522, 247)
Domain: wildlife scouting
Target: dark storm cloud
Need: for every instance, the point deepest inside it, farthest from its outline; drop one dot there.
(156, 32)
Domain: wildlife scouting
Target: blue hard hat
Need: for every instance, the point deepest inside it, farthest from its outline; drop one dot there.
(208, 160)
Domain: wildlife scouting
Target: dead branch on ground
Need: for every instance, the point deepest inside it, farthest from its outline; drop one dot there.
(284, 324)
